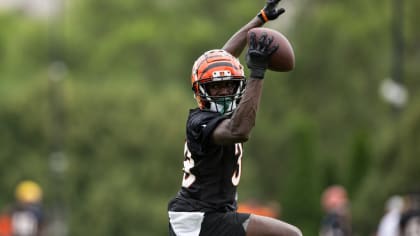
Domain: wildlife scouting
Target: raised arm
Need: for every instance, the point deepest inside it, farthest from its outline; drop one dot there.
(237, 128)
(236, 44)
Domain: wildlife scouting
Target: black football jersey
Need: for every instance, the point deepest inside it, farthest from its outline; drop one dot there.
(211, 171)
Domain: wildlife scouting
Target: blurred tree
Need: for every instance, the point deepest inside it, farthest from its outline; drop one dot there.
(129, 67)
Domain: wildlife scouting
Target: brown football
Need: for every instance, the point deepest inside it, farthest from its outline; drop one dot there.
(283, 59)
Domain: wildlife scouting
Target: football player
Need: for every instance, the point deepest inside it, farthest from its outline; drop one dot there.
(227, 107)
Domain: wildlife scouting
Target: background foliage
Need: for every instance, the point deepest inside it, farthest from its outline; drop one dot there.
(93, 104)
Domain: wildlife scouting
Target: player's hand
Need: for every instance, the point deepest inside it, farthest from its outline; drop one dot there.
(270, 12)
(259, 53)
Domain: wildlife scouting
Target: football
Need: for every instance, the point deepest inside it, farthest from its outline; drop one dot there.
(283, 59)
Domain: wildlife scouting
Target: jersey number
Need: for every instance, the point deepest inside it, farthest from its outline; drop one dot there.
(237, 173)
(189, 178)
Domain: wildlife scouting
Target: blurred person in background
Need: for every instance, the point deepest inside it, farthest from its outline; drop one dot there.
(410, 218)
(389, 224)
(216, 129)
(5, 224)
(337, 220)
(25, 217)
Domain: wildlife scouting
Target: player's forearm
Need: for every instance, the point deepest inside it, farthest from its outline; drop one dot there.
(236, 44)
(239, 126)
(243, 119)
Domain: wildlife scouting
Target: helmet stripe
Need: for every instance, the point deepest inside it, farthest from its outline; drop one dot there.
(216, 64)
